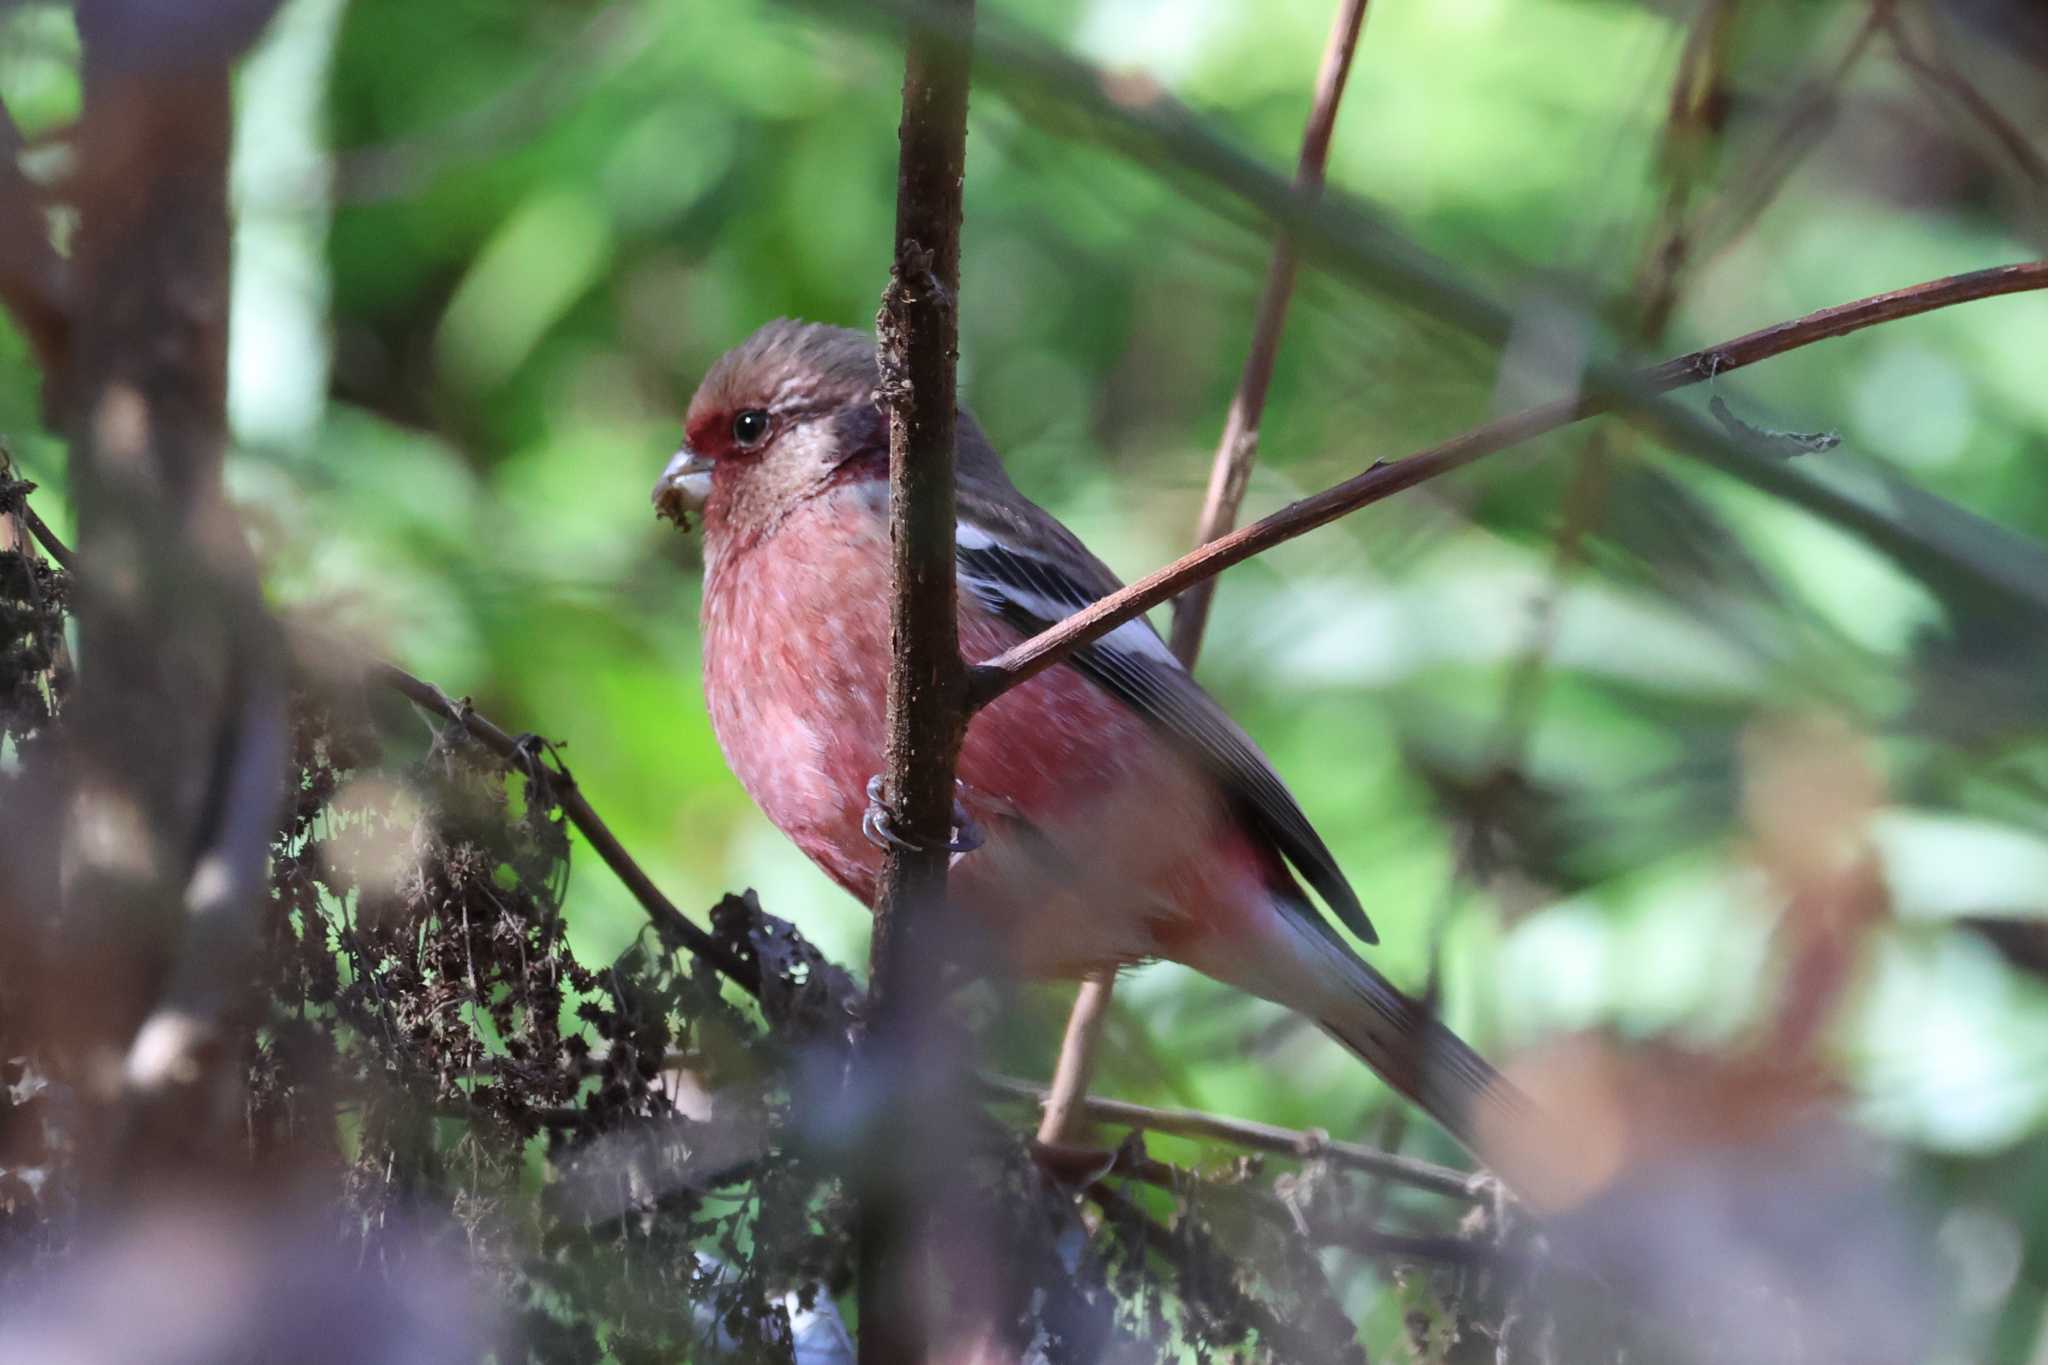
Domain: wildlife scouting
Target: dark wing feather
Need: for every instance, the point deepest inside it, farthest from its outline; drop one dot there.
(1025, 567)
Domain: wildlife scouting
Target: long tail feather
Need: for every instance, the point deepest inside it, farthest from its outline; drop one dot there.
(1412, 1051)
(1407, 1045)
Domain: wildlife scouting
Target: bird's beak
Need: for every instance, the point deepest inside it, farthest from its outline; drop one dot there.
(683, 486)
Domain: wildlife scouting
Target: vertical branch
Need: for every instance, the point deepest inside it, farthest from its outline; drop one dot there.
(1229, 474)
(176, 756)
(1075, 1070)
(918, 331)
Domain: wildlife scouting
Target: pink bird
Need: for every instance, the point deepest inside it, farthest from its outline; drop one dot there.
(1123, 816)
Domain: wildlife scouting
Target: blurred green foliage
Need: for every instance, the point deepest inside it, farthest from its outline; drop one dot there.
(487, 249)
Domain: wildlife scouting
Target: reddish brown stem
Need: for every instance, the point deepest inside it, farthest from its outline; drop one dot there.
(1229, 473)
(1075, 1069)
(1383, 479)
(1230, 470)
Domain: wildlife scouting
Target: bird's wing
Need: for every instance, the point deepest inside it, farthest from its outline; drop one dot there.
(1020, 563)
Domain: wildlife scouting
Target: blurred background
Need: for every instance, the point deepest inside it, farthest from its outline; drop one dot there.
(1584, 724)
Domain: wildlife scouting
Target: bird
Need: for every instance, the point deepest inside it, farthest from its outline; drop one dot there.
(1117, 814)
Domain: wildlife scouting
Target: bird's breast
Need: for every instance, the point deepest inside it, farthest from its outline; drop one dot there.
(1103, 843)
(796, 648)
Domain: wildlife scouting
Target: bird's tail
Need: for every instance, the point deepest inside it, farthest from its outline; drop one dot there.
(1407, 1045)
(1412, 1051)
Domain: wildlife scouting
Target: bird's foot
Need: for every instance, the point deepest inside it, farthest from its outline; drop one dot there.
(878, 824)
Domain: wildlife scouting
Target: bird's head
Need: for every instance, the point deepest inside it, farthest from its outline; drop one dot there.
(777, 419)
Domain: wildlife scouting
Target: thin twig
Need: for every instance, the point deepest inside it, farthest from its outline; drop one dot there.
(1383, 479)
(1259, 1137)
(1230, 470)
(1347, 1233)
(525, 753)
(14, 503)
(1952, 550)
(1229, 474)
(1808, 115)
(1075, 1069)
(1942, 77)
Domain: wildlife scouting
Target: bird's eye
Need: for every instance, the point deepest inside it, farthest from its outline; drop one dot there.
(749, 427)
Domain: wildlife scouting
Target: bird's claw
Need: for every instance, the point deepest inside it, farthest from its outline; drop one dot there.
(878, 825)
(876, 822)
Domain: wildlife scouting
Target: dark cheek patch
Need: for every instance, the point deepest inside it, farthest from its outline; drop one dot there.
(861, 436)
(860, 429)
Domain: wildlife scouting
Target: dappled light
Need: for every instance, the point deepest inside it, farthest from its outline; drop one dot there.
(1374, 691)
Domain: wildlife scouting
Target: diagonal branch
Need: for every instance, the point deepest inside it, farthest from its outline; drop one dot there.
(525, 752)
(521, 751)
(14, 503)
(1952, 550)
(1935, 72)
(1855, 506)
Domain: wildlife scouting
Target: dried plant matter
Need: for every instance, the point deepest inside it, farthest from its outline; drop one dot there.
(543, 1155)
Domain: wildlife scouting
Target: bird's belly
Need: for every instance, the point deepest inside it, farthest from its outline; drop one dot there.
(786, 680)
(1102, 846)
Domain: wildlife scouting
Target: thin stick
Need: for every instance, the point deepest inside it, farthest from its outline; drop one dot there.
(1231, 468)
(1945, 78)
(1348, 1233)
(1229, 473)
(1382, 480)
(14, 503)
(522, 752)
(1259, 1137)
(1075, 1069)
